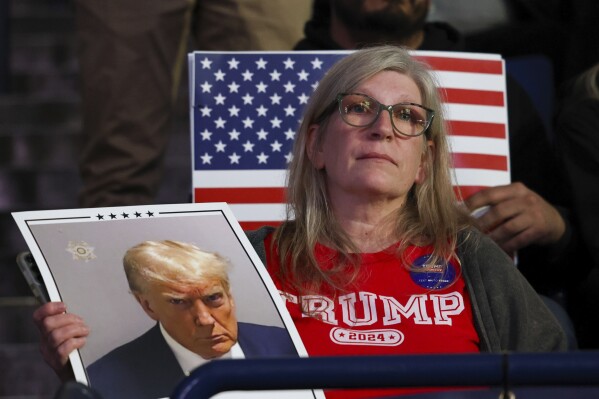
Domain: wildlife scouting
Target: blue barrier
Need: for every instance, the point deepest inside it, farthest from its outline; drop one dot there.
(463, 370)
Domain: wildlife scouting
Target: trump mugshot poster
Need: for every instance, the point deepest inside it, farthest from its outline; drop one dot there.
(79, 254)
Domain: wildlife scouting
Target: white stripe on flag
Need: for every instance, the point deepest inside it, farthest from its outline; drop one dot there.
(457, 55)
(258, 212)
(475, 113)
(239, 178)
(481, 177)
(479, 145)
(471, 81)
(222, 179)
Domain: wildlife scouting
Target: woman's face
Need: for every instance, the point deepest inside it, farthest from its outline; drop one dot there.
(372, 162)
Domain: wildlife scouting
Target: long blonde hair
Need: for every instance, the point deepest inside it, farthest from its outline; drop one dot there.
(430, 215)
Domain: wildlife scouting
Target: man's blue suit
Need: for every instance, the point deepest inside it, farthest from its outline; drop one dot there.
(147, 368)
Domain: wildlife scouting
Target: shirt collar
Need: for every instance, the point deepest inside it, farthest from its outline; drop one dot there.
(189, 360)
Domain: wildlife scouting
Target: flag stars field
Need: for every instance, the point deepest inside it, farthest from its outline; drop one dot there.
(256, 95)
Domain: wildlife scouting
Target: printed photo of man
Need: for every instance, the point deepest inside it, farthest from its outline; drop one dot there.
(187, 292)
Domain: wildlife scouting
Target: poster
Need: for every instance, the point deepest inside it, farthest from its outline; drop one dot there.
(79, 253)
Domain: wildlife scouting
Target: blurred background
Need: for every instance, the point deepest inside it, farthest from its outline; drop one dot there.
(40, 130)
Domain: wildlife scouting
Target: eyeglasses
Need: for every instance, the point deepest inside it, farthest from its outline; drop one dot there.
(360, 110)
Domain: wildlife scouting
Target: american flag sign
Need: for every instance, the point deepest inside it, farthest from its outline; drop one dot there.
(247, 106)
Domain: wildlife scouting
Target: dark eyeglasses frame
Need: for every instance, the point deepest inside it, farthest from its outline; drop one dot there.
(430, 113)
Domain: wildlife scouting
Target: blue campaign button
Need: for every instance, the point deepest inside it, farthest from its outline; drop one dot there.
(436, 277)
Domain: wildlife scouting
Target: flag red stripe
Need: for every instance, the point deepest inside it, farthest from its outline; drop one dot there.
(473, 97)
(480, 161)
(242, 195)
(477, 129)
(255, 225)
(464, 65)
(219, 194)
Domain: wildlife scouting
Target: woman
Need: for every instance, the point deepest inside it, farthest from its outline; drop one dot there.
(376, 256)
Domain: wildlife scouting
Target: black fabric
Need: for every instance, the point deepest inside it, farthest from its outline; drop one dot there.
(577, 131)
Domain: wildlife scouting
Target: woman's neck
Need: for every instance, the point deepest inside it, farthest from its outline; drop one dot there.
(369, 225)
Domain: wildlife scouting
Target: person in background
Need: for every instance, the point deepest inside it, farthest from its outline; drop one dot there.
(577, 130)
(530, 216)
(131, 57)
(350, 24)
(376, 256)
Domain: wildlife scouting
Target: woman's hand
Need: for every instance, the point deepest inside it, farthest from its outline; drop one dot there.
(61, 333)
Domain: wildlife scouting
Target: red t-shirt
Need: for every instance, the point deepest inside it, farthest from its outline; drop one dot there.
(390, 311)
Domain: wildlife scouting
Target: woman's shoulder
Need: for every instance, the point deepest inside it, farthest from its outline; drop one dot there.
(476, 247)
(469, 237)
(258, 235)
(485, 265)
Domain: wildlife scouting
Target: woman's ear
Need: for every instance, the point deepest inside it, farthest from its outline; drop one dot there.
(314, 154)
(426, 162)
